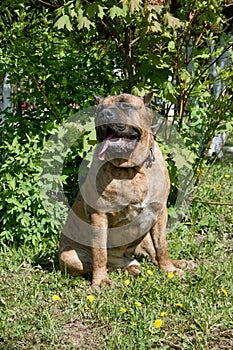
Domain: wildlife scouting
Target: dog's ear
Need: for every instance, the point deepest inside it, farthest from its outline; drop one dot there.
(98, 99)
(147, 99)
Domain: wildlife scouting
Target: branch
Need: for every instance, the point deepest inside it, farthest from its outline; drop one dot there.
(48, 4)
(134, 41)
(189, 90)
(113, 36)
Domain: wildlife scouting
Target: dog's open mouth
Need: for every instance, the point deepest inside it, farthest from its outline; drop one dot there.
(119, 143)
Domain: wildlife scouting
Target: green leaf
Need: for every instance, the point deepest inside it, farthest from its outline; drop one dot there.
(171, 46)
(134, 5)
(83, 21)
(92, 9)
(183, 74)
(101, 11)
(62, 22)
(116, 11)
(154, 25)
(172, 21)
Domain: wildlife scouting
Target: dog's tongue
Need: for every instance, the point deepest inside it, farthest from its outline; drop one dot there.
(117, 141)
(105, 146)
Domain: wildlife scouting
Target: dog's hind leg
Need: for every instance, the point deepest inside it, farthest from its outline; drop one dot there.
(73, 259)
(70, 262)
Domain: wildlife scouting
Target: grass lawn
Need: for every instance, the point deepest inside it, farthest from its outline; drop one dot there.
(42, 309)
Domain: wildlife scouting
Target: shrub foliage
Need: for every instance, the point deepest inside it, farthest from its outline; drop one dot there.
(59, 53)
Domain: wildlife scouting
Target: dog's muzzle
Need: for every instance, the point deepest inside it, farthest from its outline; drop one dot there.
(117, 139)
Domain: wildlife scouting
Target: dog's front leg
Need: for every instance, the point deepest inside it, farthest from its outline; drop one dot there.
(99, 222)
(158, 235)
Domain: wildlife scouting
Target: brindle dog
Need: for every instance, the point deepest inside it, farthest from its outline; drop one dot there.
(121, 208)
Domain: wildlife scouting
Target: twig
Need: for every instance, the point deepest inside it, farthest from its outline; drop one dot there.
(113, 36)
(134, 41)
(47, 4)
(213, 203)
(189, 90)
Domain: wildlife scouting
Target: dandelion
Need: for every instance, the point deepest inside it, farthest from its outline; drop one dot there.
(227, 176)
(143, 279)
(179, 305)
(149, 272)
(224, 292)
(123, 309)
(198, 171)
(137, 303)
(170, 275)
(90, 298)
(56, 297)
(162, 314)
(158, 323)
(127, 282)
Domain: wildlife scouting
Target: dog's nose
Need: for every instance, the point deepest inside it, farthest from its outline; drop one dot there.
(107, 114)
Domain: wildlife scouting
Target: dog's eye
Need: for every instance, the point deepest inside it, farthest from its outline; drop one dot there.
(125, 105)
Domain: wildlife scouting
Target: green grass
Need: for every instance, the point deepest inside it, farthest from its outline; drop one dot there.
(196, 309)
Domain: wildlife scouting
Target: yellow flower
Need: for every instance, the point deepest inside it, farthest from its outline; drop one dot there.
(143, 279)
(86, 308)
(162, 314)
(179, 304)
(127, 282)
(137, 303)
(218, 186)
(149, 272)
(123, 309)
(224, 292)
(170, 275)
(56, 297)
(158, 323)
(90, 298)
(198, 171)
(227, 176)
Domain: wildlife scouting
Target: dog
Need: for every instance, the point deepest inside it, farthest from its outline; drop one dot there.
(121, 209)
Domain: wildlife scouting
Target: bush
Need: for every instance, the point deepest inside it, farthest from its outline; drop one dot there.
(24, 217)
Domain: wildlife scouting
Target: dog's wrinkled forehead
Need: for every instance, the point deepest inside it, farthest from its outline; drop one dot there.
(125, 105)
(125, 100)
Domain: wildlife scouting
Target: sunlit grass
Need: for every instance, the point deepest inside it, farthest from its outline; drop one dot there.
(42, 309)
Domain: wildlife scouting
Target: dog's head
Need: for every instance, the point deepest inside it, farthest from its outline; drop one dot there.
(123, 128)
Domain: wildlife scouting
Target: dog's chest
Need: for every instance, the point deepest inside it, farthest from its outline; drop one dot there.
(125, 188)
(127, 191)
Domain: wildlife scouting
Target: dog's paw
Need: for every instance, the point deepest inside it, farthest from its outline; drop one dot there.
(133, 267)
(169, 266)
(178, 266)
(100, 279)
(105, 283)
